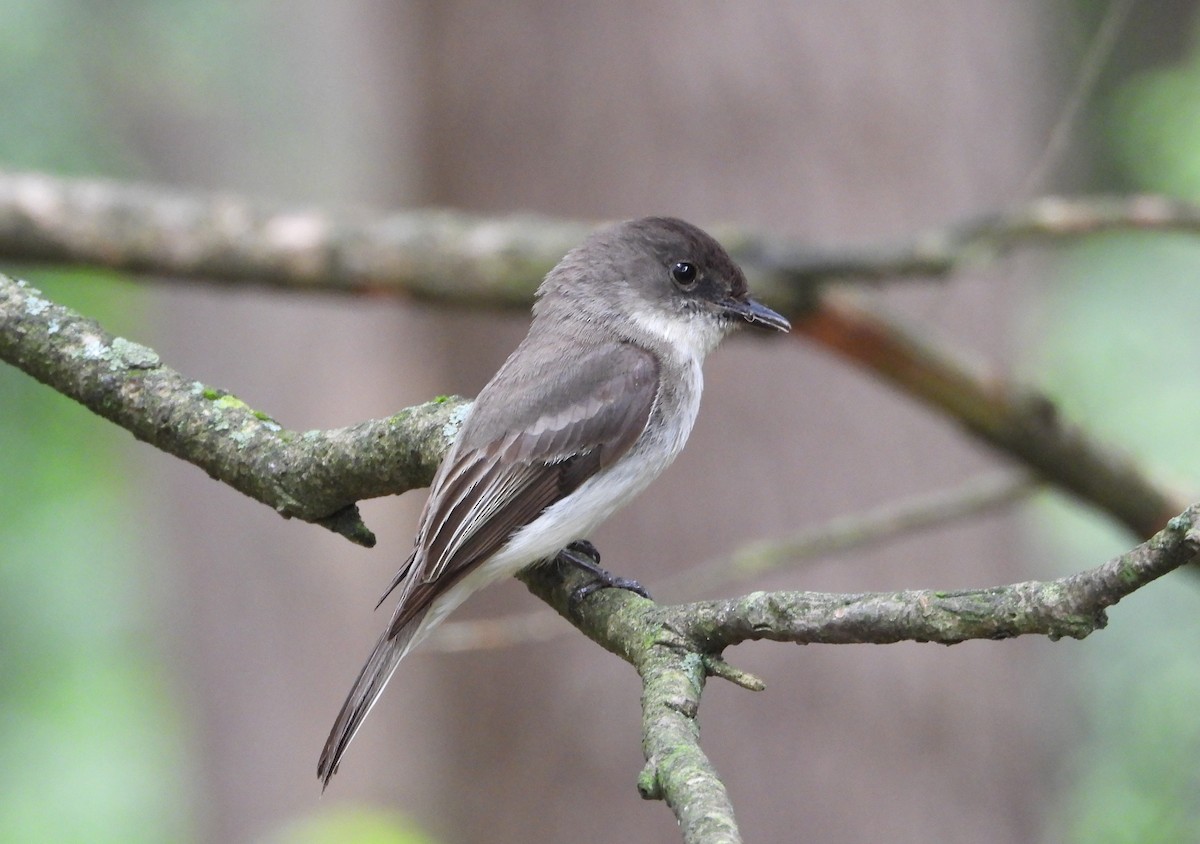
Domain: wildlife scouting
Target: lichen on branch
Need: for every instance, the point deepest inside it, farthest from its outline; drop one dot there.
(316, 476)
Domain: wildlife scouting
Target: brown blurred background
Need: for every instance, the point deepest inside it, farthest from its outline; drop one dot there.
(830, 122)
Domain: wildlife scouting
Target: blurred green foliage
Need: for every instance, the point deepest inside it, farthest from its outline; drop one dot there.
(1155, 124)
(351, 825)
(1117, 345)
(93, 745)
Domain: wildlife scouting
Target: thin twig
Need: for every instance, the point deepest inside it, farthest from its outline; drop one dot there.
(1098, 53)
(939, 252)
(858, 531)
(493, 633)
(849, 533)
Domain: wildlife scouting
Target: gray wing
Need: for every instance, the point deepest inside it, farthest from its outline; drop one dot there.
(521, 450)
(523, 453)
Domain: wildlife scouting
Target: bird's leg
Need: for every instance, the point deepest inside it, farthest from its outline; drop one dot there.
(583, 555)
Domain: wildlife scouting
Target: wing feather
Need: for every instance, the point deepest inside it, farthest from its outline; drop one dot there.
(493, 488)
(523, 447)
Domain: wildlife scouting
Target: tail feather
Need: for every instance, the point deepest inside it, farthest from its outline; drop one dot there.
(380, 666)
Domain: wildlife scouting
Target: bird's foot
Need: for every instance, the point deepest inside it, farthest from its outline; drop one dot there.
(583, 555)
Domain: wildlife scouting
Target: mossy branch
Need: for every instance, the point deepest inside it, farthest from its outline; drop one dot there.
(317, 476)
(675, 648)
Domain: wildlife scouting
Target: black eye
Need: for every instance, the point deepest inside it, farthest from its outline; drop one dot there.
(684, 273)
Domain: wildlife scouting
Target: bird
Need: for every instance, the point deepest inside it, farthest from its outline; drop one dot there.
(595, 402)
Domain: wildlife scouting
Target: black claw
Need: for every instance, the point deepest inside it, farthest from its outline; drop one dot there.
(587, 549)
(583, 554)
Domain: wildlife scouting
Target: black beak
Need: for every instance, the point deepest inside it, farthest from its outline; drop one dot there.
(756, 314)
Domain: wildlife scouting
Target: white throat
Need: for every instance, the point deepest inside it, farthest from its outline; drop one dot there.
(690, 337)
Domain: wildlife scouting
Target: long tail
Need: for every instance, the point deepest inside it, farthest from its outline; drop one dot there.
(380, 666)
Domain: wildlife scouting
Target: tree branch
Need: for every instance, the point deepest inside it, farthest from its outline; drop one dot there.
(860, 530)
(675, 648)
(677, 769)
(316, 476)
(455, 258)
(941, 252)
(1018, 421)
(838, 535)
(441, 256)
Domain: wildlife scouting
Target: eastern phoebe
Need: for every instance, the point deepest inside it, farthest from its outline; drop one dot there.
(594, 403)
